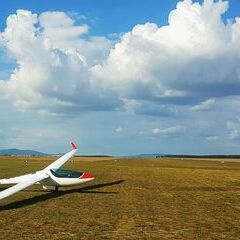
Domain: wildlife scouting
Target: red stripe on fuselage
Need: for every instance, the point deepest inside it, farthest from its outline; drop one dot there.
(86, 175)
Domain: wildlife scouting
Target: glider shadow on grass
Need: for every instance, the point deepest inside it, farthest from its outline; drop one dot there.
(52, 195)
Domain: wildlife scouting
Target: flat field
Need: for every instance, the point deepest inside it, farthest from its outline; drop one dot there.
(129, 199)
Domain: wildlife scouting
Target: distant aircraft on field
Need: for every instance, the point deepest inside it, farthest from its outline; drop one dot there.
(50, 177)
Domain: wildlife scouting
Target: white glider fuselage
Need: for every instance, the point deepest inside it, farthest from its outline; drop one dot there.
(63, 177)
(50, 177)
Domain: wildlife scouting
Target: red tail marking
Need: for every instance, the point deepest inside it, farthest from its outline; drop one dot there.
(73, 146)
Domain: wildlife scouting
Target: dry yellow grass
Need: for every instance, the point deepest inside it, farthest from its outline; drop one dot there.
(130, 199)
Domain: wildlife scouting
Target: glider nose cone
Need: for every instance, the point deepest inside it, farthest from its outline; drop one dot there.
(87, 176)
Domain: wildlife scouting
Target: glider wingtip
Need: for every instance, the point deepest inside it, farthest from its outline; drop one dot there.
(73, 146)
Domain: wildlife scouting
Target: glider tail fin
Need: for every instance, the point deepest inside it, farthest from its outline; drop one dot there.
(73, 146)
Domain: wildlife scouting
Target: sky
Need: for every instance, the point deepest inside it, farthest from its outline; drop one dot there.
(120, 77)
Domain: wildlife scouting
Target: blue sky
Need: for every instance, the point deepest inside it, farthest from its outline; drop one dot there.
(106, 16)
(117, 78)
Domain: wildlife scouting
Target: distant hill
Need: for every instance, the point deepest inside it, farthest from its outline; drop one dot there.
(160, 155)
(18, 152)
(95, 155)
(201, 156)
(146, 155)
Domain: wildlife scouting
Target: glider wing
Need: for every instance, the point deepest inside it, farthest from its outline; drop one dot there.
(59, 162)
(23, 184)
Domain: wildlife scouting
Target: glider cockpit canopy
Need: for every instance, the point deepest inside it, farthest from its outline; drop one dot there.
(64, 173)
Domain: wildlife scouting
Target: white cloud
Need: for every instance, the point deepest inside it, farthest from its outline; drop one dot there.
(119, 130)
(52, 74)
(212, 138)
(55, 19)
(204, 106)
(16, 137)
(169, 130)
(234, 129)
(194, 57)
(148, 71)
(58, 27)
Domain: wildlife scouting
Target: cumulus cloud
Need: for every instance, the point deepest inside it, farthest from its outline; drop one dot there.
(168, 130)
(150, 70)
(148, 108)
(212, 138)
(20, 137)
(52, 74)
(119, 130)
(194, 57)
(234, 129)
(204, 106)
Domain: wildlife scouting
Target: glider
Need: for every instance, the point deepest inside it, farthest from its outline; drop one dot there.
(50, 177)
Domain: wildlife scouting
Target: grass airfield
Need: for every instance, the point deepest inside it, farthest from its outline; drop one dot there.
(129, 199)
